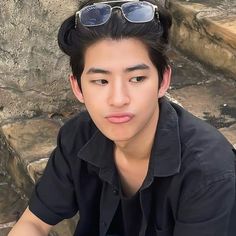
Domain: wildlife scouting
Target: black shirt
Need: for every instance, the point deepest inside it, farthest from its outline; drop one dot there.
(189, 188)
(128, 217)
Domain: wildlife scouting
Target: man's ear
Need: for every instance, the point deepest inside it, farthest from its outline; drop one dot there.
(76, 89)
(165, 84)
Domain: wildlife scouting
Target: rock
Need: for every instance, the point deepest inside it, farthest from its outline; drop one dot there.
(34, 72)
(11, 204)
(29, 141)
(207, 31)
(207, 100)
(32, 139)
(36, 168)
(208, 95)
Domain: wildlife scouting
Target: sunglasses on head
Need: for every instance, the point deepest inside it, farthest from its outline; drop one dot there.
(99, 13)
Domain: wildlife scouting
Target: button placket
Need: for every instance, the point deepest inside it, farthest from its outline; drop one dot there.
(115, 191)
(108, 206)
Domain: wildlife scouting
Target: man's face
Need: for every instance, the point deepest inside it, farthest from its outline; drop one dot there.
(120, 88)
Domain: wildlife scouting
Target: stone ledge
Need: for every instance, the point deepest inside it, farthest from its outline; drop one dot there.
(200, 110)
(35, 169)
(29, 142)
(208, 95)
(32, 139)
(206, 31)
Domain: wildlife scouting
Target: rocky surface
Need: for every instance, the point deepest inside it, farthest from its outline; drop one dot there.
(208, 94)
(33, 71)
(207, 30)
(28, 141)
(28, 144)
(32, 139)
(11, 202)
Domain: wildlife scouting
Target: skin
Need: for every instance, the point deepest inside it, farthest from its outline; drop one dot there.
(118, 77)
(30, 225)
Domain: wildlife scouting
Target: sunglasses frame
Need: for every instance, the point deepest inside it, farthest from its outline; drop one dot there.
(109, 3)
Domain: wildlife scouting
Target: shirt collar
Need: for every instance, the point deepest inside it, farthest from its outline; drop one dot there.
(165, 155)
(98, 151)
(166, 152)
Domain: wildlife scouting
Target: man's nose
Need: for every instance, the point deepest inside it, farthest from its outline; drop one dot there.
(119, 95)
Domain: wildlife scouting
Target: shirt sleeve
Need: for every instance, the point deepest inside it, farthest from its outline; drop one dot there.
(53, 198)
(207, 210)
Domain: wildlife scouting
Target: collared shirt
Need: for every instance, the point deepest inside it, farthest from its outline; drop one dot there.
(189, 188)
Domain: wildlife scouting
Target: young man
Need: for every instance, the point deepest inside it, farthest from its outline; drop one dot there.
(134, 163)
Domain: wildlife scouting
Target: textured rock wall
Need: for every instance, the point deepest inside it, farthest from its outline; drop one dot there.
(33, 71)
(207, 31)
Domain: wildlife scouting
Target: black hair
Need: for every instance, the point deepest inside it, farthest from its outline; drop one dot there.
(154, 34)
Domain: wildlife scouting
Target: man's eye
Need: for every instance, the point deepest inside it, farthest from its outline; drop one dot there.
(138, 79)
(100, 81)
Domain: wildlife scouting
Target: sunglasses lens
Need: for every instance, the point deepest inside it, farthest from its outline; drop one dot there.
(96, 14)
(138, 12)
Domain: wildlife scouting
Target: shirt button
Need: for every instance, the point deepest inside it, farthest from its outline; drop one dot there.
(115, 191)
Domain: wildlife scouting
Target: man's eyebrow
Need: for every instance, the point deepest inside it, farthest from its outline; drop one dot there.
(94, 70)
(137, 67)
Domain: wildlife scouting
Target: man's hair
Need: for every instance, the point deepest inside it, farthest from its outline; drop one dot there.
(154, 35)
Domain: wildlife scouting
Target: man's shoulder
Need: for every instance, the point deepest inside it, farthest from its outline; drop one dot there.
(195, 131)
(77, 131)
(203, 146)
(78, 121)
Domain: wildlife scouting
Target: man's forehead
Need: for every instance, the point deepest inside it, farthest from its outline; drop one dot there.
(126, 54)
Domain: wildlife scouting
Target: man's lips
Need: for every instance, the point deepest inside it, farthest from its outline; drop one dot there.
(119, 118)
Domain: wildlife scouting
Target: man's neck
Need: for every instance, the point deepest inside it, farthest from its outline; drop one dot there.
(139, 148)
(132, 158)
